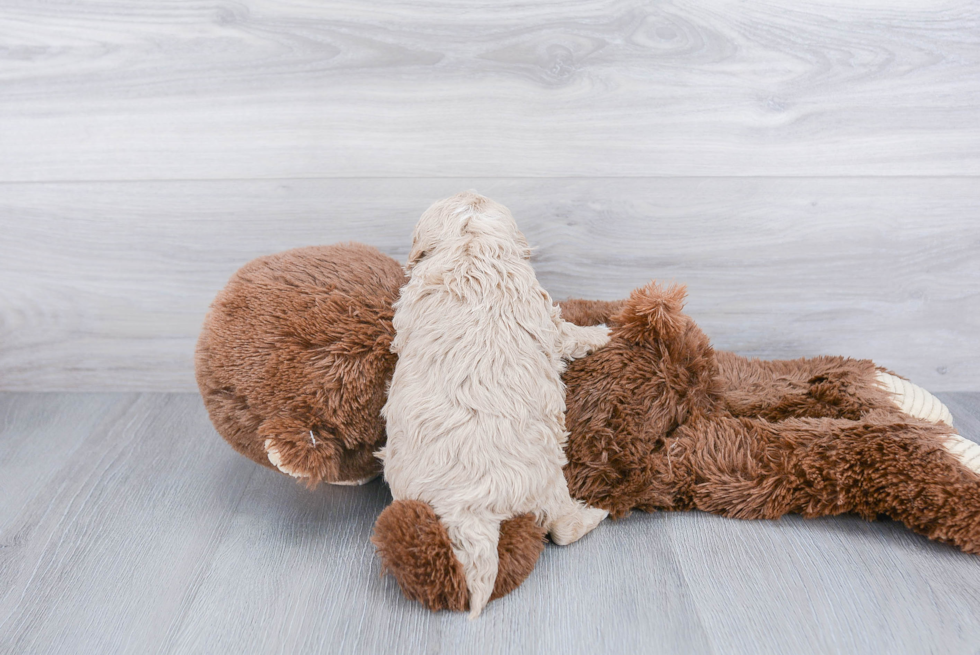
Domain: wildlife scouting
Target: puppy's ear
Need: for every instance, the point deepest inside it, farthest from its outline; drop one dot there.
(415, 256)
(464, 224)
(422, 245)
(524, 245)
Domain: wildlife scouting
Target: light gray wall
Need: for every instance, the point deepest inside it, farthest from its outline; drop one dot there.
(811, 171)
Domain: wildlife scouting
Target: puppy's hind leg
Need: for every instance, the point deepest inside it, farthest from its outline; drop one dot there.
(575, 524)
(578, 341)
(474, 541)
(568, 520)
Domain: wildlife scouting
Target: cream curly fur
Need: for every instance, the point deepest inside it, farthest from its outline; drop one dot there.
(475, 410)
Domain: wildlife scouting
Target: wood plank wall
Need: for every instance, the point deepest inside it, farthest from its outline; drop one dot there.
(810, 169)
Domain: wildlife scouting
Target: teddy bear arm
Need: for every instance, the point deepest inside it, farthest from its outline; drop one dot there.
(589, 312)
(316, 454)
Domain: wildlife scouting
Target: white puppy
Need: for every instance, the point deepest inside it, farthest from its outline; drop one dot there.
(476, 407)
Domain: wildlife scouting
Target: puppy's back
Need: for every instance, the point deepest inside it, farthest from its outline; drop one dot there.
(475, 408)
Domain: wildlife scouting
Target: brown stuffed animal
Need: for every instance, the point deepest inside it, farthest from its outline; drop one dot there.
(293, 362)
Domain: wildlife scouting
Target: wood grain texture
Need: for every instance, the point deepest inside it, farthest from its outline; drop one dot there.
(128, 526)
(751, 150)
(103, 286)
(203, 90)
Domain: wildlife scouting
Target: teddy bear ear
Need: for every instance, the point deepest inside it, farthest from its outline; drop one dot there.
(652, 312)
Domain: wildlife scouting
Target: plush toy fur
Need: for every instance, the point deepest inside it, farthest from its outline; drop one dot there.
(658, 420)
(294, 358)
(413, 544)
(475, 415)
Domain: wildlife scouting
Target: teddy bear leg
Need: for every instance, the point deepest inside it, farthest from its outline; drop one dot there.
(928, 477)
(817, 387)
(914, 471)
(913, 399)
(414, 547)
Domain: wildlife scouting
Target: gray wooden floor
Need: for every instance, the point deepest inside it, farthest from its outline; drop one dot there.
(128, 526)
(811, 169)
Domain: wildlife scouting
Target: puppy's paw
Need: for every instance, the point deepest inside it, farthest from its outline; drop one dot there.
(277, 460)
(580, 341)
(573, 526)
(599, 336)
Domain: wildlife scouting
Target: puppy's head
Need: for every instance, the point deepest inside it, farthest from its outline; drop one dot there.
(471, 218)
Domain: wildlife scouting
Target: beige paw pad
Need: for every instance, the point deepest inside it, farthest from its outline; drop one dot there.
(276, 460)
(914, 400)
(964, 450)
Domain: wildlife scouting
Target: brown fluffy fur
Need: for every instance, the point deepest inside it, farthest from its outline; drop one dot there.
(299, 342)
(658, 419)
(415, 547)
(589, 312)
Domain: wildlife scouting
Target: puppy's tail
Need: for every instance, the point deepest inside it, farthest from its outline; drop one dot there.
(474, 541)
